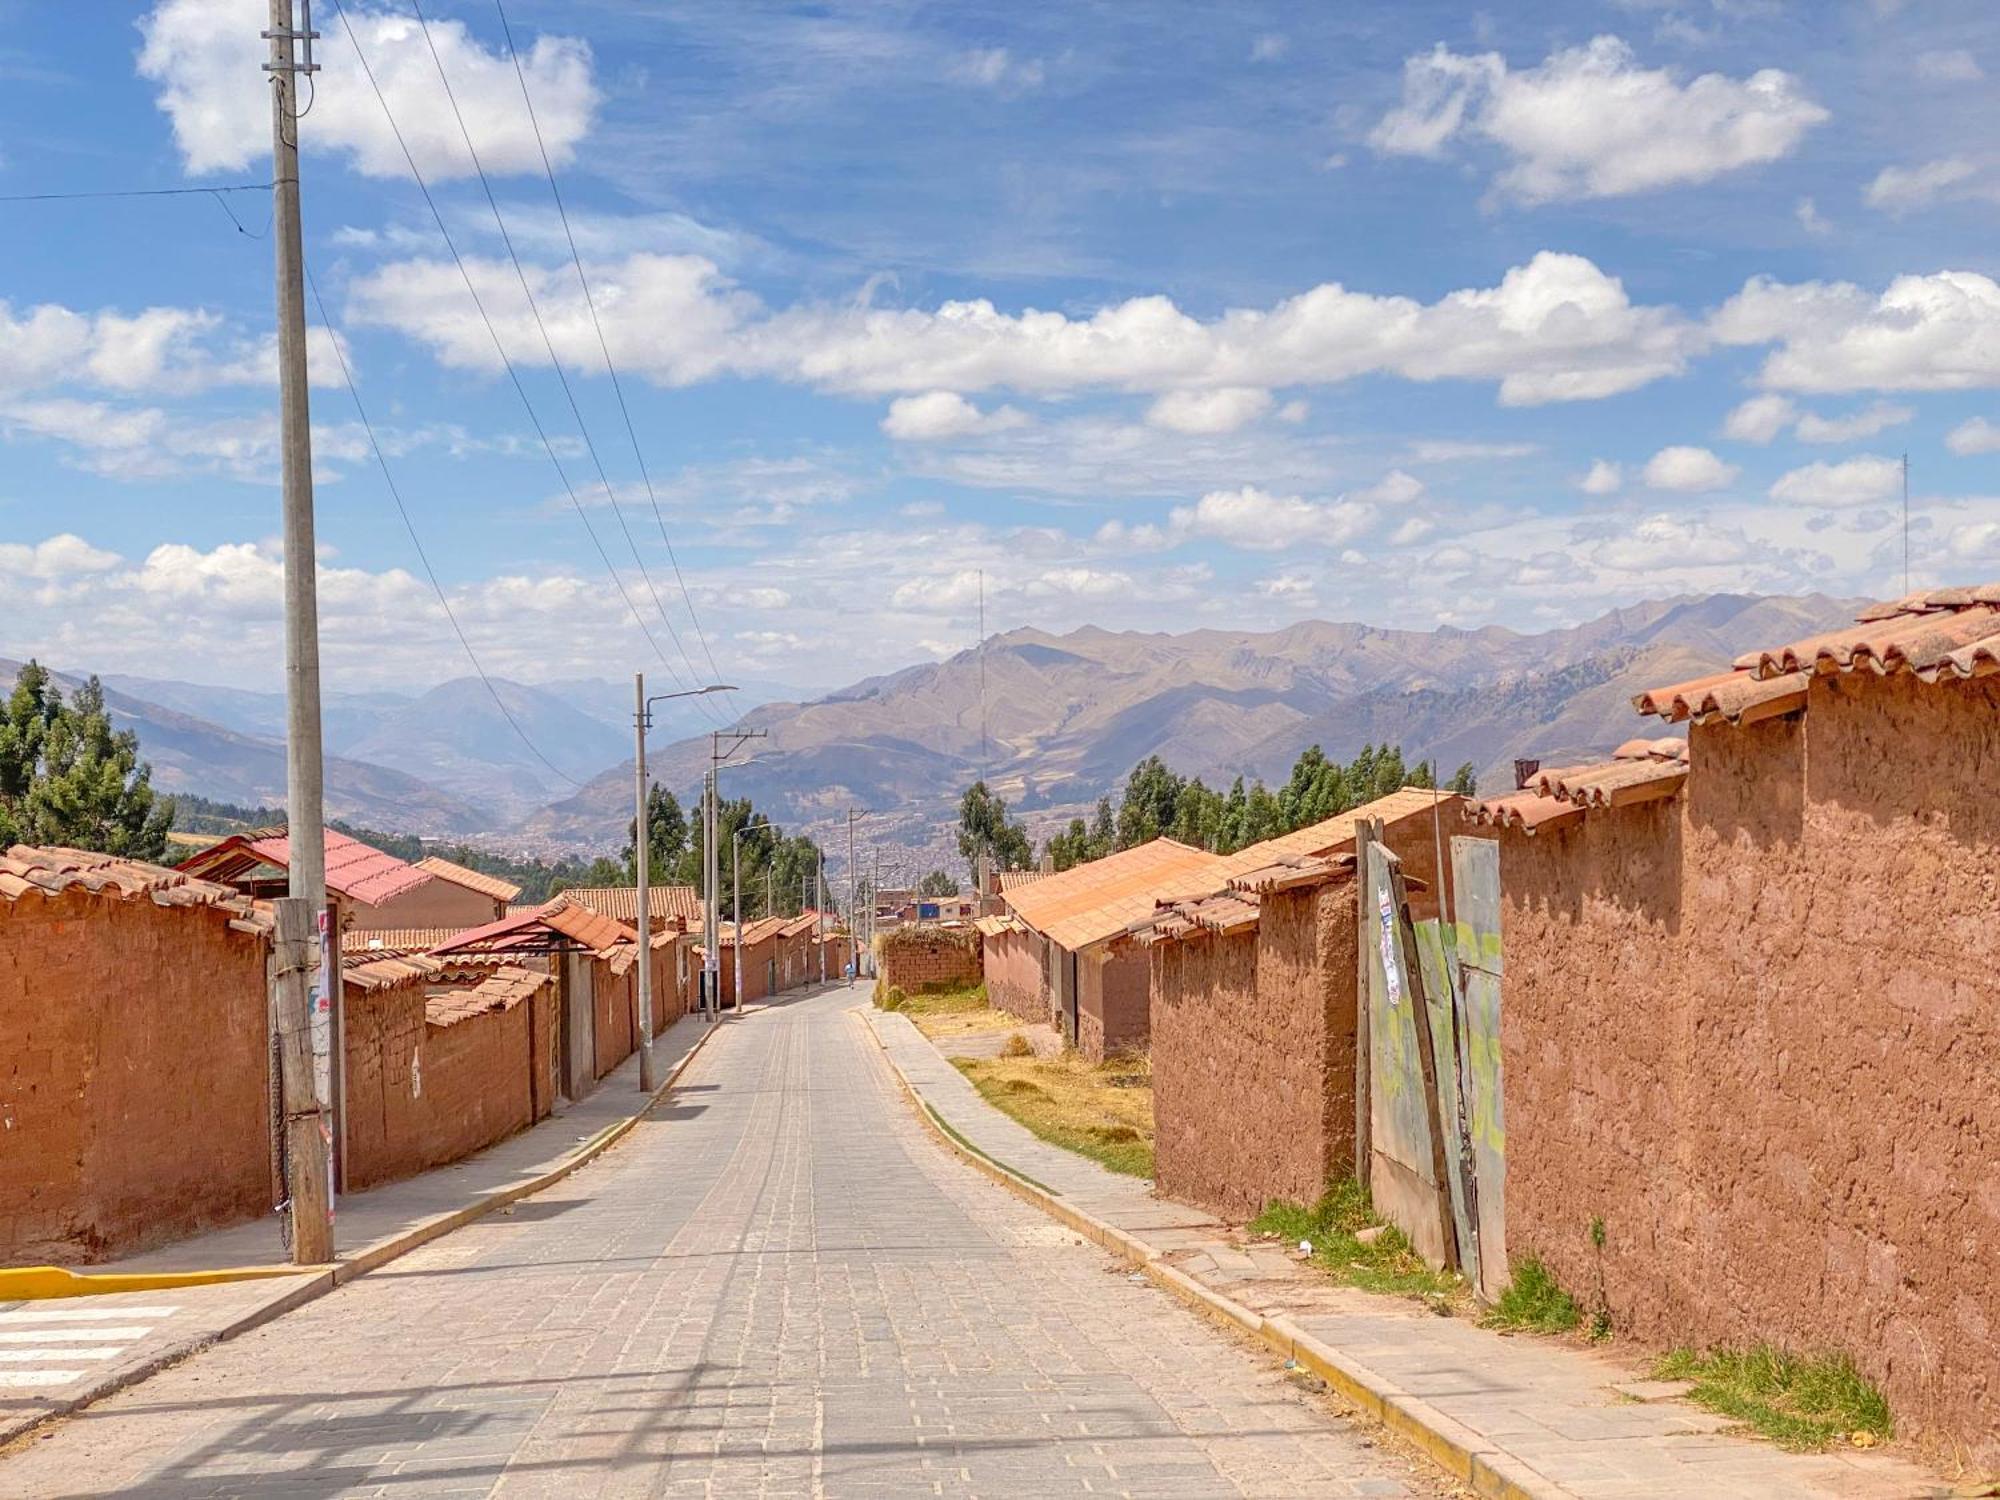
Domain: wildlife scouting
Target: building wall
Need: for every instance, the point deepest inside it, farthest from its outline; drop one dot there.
(615, 1014)
(134, 1054)
(436, 903)
(1014, 976)
(1754, 1029)
(1253, 1056)
(420, 1095)
(1113, 1002)
(919, 959)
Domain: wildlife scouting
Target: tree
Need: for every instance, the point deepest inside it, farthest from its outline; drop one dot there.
(937, 883)
(667, 835)
(984, 828)
(67, 777)
(1152, 796)
(1463, 781)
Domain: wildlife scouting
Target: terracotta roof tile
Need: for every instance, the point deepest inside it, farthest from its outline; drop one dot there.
(555, 925)
(354, 870)
(621, 902)
(1091, 902)
(50, 871)
(491, 886)
(503, 989)
(1639, 771)
(397, 939)
(1008, 880)
(371, 972)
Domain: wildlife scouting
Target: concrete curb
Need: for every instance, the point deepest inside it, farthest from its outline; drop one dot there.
(316, 1283)
(1461, 1452)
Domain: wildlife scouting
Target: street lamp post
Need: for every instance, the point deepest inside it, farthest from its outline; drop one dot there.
(736, 896)
(642, 842)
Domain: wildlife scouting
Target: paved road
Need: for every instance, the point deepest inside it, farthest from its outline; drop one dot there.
(781, 1287)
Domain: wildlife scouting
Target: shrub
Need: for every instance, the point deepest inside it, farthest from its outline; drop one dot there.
(1016, 1046)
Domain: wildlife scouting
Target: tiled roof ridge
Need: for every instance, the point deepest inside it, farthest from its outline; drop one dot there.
(54, 869)
(1639, 770)
(477, 881)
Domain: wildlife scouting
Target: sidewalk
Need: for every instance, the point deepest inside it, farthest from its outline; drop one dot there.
(1513, 1416)
(63, 1353)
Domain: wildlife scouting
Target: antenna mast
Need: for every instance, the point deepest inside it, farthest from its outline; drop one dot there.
(1906, 521)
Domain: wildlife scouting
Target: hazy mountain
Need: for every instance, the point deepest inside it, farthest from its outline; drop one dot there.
(344, 717)
(1067, 717)
(189, 753)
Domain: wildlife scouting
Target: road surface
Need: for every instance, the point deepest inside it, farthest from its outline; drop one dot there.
(780, 1285)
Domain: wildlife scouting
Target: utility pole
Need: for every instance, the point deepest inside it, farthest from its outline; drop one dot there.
(853, 910)
(309, 1128)
(819, 906)
(736, 896)
(711, 962)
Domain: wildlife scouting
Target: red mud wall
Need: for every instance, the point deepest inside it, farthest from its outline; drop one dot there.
(914, 960)
(1113, 1003)
(1013, 967)
(1755, 1029)
(133, 1063)
(1253, 1057)
(615, 1029)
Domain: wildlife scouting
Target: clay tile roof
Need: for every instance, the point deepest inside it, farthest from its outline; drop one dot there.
(800, 925)
(1530, 812)
(621, 902)
(553, 926)
(760, 931)
(1011, 879)
(1940, 635)
(1638, 771)
(1091, 902)
(397, 939)
(994, 926)
(503, 989)
(353, 869)
(1294, 872)
(368, 972)
(491, 886)
(51, 871)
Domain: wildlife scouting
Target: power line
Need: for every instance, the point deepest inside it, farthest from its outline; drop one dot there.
(236, 187)
(396, 494)
(499, 348)
(590, 301)
(555, 362)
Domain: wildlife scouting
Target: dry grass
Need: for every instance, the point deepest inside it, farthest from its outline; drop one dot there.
(954, 1013)
(1105, 1113)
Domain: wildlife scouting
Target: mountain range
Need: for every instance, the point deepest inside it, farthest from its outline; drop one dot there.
(1051, 721)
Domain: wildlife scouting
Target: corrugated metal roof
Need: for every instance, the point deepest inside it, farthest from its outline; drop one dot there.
(1939, 635)
(621, 902)
(1639, 771)
(52, 870)
(477, 881)
(354, 870)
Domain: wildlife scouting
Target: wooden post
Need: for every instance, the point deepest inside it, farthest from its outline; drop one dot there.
(1420, 1015)
(308, 1133)
(1366, 831)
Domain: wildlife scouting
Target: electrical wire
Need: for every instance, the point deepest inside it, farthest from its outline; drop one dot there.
(514, 375)
(548, 344)
(590, 301)
(396, 494)
(234, 187)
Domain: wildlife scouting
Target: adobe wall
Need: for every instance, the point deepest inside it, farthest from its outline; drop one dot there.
(436, 903)
(1114, 1002)
(615, 1014)
(916, 959)
(1253, 1056)
(134, 1053)
(1013, 966)
(1755, 1029)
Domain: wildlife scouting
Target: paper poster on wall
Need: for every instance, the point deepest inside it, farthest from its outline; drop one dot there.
(1391, 980)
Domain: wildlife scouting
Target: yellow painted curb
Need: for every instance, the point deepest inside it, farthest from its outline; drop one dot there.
(33, 1283)
(1445, 1441)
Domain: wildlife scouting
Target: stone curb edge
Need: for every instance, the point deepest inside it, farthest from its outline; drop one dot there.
(1460, 1451)
(370, 1257)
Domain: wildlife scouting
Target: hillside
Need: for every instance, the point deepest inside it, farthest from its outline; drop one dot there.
(1068, 716)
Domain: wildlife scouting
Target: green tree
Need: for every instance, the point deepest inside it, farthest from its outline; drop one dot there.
(1463, 781)
(937, 883)
(667, 835)
(985, 828)
(1152, 797)
(1198, 816)
(67, 777)
(1103, 835)
(1071, 847)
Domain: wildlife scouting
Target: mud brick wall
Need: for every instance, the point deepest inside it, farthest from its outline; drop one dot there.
(134, 1049)
(614, 1022)
(1012, 962)
(912, 959)
(1253, 1056)
(1114, 1003)
(1755, 1028)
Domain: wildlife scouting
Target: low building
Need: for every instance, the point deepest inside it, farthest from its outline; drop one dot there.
(360, 879)
(759, 942)
(454, 897)
(670, 905)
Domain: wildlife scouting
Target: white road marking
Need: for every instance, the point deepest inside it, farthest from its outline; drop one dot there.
(29, 1356)
(57, 1341)
(81, 1314)
(71, 1335)
(12, 1378)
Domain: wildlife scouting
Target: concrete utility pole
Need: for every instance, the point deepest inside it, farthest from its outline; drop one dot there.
(853, 910)
(736, 896)
(309, 1129)
(819, 907)
(642, 842)
(711, 963)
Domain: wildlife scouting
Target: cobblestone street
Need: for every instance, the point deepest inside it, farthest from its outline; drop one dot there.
(778, 1285)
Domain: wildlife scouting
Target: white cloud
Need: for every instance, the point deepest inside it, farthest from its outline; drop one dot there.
(945, 414)
(1456, 450)
(1555, 329)
(998, 69)
(1604, 478)
(1393, 488)
(1949, 65)
(1976, 542)
(1255, 521)
(1760, 419)
(1589, 122)
(1975, 435)
(1668, 542)
(1857, 481)
(1413, 530)
(60, 557)
(1900, 189)
(1292, 586)
(1866, 423)
(1269, 47)
(1922, 333)
(199, 52)
(1688, 470)
(1811, 220)
(1224, 409)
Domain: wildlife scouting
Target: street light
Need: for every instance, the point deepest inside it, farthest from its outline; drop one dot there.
(642, 841)
(736, 895)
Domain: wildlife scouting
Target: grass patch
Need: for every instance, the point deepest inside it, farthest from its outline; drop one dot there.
(1387, 1264)
(1799, 1402)
(1104, 1113)
(1533, 1301)
(956, 1012)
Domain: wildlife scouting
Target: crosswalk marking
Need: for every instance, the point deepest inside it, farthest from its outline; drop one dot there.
(43, 1348)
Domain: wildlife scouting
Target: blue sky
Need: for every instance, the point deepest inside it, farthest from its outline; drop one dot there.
(1156, 316)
